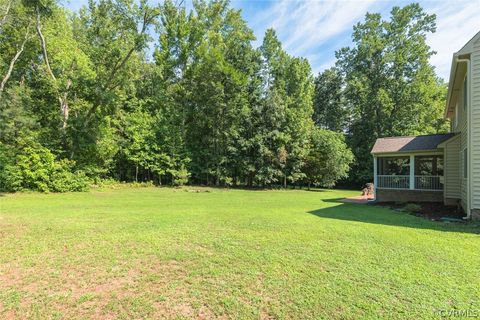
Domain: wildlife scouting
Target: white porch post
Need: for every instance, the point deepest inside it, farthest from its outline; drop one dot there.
(412, 172)
(375, 178)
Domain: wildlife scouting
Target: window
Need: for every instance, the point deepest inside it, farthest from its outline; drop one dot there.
(465, 163)
(394, 166)
(465, 93)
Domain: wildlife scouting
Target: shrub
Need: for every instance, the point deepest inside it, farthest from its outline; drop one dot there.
(328, 160)
(412, 207)
(180, 176)
(30, 169)
(63, 179)
(34, 167)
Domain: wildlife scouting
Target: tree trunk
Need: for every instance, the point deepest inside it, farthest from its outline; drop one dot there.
(43, 44)
(62, 98)
(136, 173)
(4, 18)
(13, 61)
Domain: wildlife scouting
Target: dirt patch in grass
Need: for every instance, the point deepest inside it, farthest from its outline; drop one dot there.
(161, 287)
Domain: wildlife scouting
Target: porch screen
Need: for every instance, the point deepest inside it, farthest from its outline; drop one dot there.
(429, 165)
(394, 166)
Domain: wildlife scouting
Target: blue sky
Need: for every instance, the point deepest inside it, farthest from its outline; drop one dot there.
(315, 29)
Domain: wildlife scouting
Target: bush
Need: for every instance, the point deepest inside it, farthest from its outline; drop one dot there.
(63, 179)
(328, 160)
(180, 176)
(412, 207)
(34, 167)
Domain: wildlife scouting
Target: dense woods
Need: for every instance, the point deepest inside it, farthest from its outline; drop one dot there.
(128, 91)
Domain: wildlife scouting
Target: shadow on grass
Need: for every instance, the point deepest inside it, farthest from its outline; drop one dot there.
(289, 188)
(317, 190)
(375, 215)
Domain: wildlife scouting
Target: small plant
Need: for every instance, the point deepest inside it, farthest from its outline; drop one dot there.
(180, 177)
(412, 207)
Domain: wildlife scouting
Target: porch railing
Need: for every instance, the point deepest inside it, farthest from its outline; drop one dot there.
(403, 182)
(393, 182)
(428, 182)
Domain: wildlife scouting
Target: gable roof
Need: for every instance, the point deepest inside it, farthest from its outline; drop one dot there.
(468, 47)
(410, 143)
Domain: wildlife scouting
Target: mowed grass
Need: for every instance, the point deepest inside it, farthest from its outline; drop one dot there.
(155, 253)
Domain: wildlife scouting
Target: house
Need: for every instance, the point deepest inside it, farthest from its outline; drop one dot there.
(441, 167)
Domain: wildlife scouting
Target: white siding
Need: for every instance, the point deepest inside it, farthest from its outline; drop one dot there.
(452, 169)
(474, 173)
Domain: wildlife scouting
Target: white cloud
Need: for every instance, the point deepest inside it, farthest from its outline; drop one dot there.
(323, 21)
(457, 22)
(303, 25)
(315, 29)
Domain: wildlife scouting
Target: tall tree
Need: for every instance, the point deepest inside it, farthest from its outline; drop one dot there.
(390, 84)
(203, 59)
(330, 108)
(285, 114)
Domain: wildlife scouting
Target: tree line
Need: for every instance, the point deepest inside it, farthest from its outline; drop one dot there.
(128, 91)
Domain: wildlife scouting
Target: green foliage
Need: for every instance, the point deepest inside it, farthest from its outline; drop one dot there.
(34, 167)
(208, 107)
(329, 158)
(330, 107)
(180, 176)
(63, 178)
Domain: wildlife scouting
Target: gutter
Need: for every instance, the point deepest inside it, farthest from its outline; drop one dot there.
(469, 136)
(451, 80)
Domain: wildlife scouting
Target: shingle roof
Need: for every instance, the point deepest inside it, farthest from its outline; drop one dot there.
(406, 144)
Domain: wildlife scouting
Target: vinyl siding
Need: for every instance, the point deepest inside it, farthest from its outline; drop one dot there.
(461, 128)
(452, 169)
(475, 125)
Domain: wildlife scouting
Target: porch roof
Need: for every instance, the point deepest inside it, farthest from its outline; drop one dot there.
(410, 143)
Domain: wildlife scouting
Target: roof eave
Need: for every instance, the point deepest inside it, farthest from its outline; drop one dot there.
(465, 50)
(453, 70)
(406, 151)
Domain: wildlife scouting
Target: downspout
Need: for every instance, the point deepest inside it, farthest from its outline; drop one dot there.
(469, 137)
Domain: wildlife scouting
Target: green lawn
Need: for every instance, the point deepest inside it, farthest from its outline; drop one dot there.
(168, 253)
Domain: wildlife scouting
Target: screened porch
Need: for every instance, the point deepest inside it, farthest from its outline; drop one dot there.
(413, 172)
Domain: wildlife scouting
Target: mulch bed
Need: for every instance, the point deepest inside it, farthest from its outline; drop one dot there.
(429, 210)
